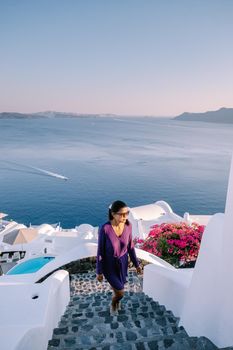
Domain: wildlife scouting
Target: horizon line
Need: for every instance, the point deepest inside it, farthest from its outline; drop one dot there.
(90, 113)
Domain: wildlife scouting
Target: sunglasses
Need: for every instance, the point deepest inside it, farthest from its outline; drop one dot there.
(123, 214)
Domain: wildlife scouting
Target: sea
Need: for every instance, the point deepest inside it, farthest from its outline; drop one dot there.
(139, 160)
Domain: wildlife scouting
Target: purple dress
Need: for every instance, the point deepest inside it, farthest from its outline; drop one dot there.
(112, 254)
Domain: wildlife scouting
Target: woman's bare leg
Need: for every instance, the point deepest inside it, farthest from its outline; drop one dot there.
(117, 296)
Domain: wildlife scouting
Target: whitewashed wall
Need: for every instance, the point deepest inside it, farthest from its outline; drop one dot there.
(27, 323)
(208, 309)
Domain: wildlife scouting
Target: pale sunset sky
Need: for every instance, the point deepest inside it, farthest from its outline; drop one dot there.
(129, 57)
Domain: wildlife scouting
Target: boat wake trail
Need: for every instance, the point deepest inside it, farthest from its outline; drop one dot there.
(38, 170)
(50, 173)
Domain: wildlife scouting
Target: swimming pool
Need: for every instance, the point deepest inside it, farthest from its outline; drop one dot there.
(30, 266)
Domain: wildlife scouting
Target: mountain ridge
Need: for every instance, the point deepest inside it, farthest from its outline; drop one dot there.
(222, 115)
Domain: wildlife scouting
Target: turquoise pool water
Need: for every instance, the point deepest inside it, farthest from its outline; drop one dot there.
(30, 266)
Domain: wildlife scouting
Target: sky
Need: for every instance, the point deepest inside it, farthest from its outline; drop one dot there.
(127, 57)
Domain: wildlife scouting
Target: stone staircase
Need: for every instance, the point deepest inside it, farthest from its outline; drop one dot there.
(141, 324)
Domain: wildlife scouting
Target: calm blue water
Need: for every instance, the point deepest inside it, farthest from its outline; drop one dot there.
(30, 266)
(138, 160)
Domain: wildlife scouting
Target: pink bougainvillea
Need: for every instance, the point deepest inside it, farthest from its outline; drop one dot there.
(177, 243)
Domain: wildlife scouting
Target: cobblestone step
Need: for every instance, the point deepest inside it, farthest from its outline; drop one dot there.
(141, 324)
(120, 342)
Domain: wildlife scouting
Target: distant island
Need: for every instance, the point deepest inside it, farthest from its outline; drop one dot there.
(223, 115)
(49, 114)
